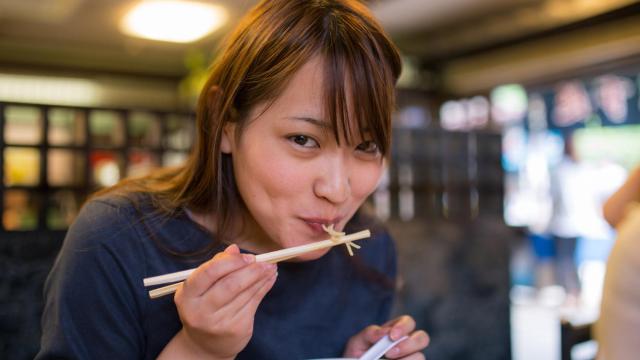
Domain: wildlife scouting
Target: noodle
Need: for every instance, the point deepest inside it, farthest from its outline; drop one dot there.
(336, 235)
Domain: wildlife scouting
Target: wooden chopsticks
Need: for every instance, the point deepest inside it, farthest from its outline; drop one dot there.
(272, 257)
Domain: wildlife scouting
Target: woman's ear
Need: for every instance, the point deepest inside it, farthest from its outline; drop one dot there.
(214, 102)
(228, 138)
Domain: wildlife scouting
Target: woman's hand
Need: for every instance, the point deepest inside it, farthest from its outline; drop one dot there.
(409, 349)
(217, 305)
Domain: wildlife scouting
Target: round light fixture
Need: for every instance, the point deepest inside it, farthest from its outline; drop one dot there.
(173, 21)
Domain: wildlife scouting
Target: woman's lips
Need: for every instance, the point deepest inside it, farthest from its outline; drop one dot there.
(316, 227)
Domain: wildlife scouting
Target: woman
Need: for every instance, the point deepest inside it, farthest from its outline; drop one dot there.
(293, 133)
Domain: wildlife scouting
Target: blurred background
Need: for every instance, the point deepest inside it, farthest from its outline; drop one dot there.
(500, 105)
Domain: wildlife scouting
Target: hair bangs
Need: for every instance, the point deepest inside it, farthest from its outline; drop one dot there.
(359, 92)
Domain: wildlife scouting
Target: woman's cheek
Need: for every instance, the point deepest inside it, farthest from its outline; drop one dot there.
(367, 178)
(286, 174)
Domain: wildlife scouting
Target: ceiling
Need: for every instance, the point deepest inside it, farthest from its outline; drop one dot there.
(82, 36)
(439, 30)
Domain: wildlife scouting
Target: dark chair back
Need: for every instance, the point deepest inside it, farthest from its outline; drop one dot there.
(573, 334)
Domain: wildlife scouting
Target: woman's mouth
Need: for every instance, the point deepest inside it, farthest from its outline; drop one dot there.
(316, 227)
(315, 224)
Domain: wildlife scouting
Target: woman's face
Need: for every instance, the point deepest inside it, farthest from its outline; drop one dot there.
(292, 174)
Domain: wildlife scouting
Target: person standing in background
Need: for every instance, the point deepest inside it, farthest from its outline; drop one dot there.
(569, 191)
(579, 188)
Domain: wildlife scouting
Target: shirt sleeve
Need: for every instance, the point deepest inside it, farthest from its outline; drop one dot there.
(92, 295)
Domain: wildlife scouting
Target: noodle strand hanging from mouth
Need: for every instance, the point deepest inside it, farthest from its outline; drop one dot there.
(336, 235)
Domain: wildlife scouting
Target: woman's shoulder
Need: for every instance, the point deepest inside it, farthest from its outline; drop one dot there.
(107, 217)
(134, 220)
(128, 201)
(107, 209)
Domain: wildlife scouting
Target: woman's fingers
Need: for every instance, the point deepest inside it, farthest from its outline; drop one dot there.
(400, 326)
(247, 303)
(416, 356)
(362, 341)
(231, 249)
(410, 348)
(213, 270)
(232, 285)
(414, 344)
(238, 288)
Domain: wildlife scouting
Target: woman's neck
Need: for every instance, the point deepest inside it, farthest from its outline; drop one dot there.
(206, 220)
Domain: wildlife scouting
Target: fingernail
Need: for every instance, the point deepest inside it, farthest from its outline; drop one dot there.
(248, 258)
(394, 351)
(395, 334)
(268, 266)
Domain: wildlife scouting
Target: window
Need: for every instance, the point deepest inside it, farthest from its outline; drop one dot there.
(53, 157)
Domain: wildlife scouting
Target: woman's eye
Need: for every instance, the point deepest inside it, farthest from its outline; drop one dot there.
(369, 147)
(304, 141)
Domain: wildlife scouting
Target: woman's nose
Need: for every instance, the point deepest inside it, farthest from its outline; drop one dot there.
(333, 182)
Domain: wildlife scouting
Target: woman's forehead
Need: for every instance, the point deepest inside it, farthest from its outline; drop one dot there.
(310, 90)
(315, 95)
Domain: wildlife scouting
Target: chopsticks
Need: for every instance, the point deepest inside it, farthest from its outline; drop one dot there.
(272, 257)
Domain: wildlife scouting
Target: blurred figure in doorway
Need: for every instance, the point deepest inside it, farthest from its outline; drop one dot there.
(578, 190)
(568, 190)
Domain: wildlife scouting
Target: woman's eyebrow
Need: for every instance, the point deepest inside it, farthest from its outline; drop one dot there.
(313, 121)
(323, 124)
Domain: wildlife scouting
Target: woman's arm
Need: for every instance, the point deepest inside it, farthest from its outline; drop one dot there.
(94, 296)
(91, 309)
(181, 347)
(615, 207)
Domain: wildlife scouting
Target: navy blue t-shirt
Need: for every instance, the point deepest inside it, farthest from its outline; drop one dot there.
(96, 306)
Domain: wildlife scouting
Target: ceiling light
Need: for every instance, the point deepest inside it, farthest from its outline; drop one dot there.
(174, 21)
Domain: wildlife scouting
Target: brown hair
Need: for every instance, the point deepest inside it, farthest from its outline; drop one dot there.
(268, 46)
